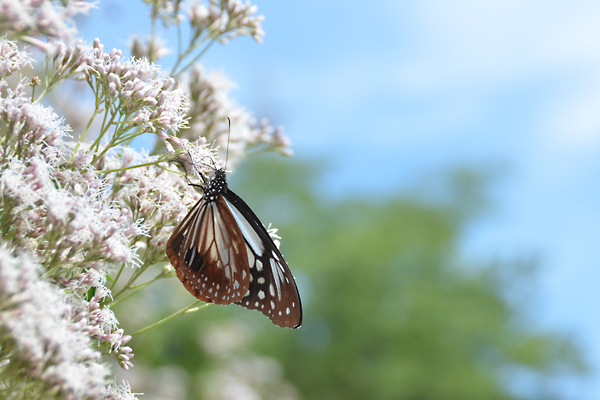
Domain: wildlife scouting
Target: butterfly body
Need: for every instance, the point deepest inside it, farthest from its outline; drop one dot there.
(223, 254)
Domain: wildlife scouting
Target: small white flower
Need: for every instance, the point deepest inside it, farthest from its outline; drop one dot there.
(140, 87)
(31, 123)
(141, 48)
(11, 58)
(211, 106)
(121, 392)
(38, 320)
(42, 17)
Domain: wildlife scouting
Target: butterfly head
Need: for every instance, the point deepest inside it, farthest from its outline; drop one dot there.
(216, 186)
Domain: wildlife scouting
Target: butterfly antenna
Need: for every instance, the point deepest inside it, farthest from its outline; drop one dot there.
(186, 173)
(197, 170)
(228, 137)
(185, 170)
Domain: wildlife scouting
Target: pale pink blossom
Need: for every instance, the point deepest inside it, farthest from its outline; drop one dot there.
(80, 210)
(30, 123)
(211, 106)
(151, 49)
(49, 346)
(225, 20)
(41, 17)
(11, 58)
(120, 392)
(141, 88)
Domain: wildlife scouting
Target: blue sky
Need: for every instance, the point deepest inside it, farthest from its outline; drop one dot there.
(407, 88)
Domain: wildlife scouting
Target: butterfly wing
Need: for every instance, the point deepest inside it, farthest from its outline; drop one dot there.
(209, 253)
(272, 289)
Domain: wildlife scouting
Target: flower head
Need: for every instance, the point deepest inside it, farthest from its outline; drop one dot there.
(48, 346)
(226, 21)
(211, 110)
(11, 58)
(145, 96)
(42, 17)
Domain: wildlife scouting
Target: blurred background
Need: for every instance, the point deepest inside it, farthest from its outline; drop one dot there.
(440, 214)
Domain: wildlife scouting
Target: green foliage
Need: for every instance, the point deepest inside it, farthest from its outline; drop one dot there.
(390, 311)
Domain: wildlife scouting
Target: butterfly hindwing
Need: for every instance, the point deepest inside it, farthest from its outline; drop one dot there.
(272, 289)
(273, 292)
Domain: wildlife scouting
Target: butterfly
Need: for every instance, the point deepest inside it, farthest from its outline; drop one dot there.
(223, 254)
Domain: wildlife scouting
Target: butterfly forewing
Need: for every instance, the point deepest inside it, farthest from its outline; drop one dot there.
(174, 251)
(209, 254)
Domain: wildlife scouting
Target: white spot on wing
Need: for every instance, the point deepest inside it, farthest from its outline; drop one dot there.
(247, 230)
(277, 275)
(261, 294)
(213, 253)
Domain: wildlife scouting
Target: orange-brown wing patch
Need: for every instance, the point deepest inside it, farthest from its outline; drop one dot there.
(209, 254)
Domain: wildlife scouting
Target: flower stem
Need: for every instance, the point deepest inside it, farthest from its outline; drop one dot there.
(118, 276)
(109, 171)
(196, 58)
(135, 289)
(84, 132)
(186, 310)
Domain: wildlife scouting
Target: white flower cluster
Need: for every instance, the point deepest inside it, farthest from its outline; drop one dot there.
(226, 20)
(149, 49)
(120, 392)
(84, 224)
(100, 323)
(63, 212)
(212, 105)
(26, 124)
(11, 58)
(221, 20)
(41, 17)
(44, 341)
(77, 213)
(155, 195)
(142, 94)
